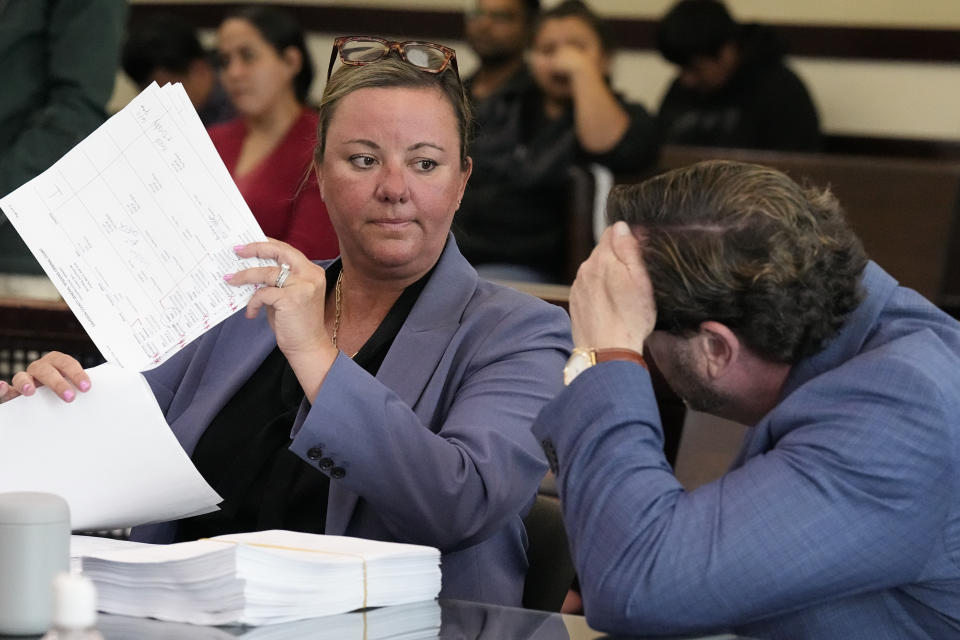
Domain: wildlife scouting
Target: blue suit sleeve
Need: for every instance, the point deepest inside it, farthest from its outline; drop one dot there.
(846, 499)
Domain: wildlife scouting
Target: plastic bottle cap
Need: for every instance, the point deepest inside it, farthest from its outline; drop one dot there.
(74, 602)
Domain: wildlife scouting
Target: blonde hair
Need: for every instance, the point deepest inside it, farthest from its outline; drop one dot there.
(387, 73)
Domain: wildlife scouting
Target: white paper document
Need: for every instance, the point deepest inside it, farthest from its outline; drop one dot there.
(135, 227)
(86, 545)
(109, 454)
(265, 577)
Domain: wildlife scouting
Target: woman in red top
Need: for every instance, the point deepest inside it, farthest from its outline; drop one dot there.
(268, 150)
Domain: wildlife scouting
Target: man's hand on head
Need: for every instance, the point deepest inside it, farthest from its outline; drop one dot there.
(611, 301)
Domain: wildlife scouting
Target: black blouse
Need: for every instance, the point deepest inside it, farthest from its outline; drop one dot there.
(244, 454)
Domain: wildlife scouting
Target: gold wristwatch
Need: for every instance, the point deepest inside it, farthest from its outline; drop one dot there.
(582, 359)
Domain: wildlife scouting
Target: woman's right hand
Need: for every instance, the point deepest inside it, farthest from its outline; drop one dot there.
(56, 370)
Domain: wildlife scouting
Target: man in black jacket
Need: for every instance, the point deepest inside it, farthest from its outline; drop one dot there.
(733, 89)
(512, 222)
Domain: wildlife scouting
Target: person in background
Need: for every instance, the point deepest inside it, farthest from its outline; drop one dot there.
(59, 62)
(733, 89)
(267, 72)
(388, 394)
(498, 31)
(512, 222)
(166, 49)
(839, 517)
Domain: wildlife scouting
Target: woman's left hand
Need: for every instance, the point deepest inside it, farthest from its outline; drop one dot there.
(295, 310)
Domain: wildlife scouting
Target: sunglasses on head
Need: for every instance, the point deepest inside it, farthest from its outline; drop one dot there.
(360, 50)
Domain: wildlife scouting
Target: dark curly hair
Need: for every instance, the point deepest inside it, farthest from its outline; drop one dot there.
(166, 42)
(693, 28)
(746, 246)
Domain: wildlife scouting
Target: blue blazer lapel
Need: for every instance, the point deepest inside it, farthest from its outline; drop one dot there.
(416, 353)
(432, 323)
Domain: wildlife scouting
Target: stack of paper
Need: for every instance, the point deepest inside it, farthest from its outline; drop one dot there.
(416, 621)
(261, 578)
(88, 545)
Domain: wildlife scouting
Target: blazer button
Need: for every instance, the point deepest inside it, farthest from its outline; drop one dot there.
(337, 472)
(314, 453)
(325, 463)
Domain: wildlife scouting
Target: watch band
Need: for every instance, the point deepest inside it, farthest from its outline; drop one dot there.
(606, 355)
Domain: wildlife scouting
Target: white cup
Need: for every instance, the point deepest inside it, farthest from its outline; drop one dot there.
(34, 547)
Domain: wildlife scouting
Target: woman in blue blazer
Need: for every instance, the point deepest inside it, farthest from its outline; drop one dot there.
(389, 393)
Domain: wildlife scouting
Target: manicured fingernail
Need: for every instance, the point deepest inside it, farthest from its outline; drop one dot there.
(238, 247)
(27, 388)
(68, 395)
(621, 228)
(84, 385)
(228, 277)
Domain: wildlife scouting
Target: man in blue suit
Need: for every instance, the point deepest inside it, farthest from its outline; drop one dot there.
(840, 518)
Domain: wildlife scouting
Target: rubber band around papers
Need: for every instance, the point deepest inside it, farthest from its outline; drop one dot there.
(363, 560)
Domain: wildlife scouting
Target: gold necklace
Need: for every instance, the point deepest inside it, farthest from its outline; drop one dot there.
(338, 298)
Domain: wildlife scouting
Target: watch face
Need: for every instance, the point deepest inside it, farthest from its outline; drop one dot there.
(579, 362)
